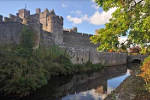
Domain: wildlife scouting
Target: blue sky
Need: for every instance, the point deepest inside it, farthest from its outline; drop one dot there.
(83, 14)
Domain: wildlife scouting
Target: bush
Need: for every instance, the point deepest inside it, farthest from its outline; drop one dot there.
(20, 74)
(87, 67)
(146, 72)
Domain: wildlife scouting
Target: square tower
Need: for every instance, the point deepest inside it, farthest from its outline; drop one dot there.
(23, 13)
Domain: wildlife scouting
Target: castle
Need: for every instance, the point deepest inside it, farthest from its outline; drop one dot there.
(49, 31)
(47, 25)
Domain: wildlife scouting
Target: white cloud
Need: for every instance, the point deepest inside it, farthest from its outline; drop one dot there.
(97, 18)
(77, 20)
(63, 5)
(101, 18)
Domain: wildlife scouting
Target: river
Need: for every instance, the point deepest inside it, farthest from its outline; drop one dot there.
(85, 86)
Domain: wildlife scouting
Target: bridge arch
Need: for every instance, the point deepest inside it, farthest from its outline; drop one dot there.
(136, 61)
(136, 58)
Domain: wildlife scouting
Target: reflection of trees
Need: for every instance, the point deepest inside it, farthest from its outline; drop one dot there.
(59, 87)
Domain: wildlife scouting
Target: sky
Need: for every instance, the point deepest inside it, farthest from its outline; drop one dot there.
(83, 14)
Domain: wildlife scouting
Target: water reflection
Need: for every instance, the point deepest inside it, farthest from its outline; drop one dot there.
(88, 95)
(101, 91)
(115, 82)
(92, 86)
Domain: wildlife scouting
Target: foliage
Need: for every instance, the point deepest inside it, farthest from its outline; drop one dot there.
(21, 75)
(130, 19)
(87, 67)
(27, 37)
(146, 72)
(25, 48)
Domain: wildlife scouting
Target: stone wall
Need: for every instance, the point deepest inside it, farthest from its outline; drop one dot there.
(46, 39)
(107, 58)
(80, 56)
(77, 40)
(10, 32)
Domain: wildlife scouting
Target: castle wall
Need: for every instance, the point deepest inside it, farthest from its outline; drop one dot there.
(77, 40)
(46, 39)
(10, 32)
(34, 23)
(108, 58)
(80, 56)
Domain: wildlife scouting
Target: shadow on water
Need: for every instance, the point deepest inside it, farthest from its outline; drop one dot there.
(93, 86)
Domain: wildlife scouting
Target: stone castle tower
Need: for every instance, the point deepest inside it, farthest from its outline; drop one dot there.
(49, 21)
(52, 23)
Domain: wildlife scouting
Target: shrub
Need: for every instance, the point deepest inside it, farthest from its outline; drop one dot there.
(146, 72)
(21, 74)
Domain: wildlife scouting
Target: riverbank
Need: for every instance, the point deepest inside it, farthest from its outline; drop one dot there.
(131, 89)
(62, 87)
(23, 70)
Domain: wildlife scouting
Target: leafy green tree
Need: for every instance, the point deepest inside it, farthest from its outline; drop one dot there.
(27, 37)
(27, 42)
(131, 19)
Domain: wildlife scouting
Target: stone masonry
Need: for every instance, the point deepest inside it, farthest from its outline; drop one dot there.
(49, 31)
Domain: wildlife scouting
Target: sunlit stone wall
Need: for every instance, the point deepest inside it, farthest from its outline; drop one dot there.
(80, 56)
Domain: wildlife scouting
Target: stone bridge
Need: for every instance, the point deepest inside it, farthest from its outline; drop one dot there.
(136, 58)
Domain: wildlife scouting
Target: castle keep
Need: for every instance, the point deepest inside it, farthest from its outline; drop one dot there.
(49, 31)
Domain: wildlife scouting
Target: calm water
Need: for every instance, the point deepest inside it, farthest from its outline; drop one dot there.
(100, 92)
(91, 86)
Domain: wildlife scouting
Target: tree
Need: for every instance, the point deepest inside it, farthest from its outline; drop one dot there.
(27, 42)
(131, 19)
